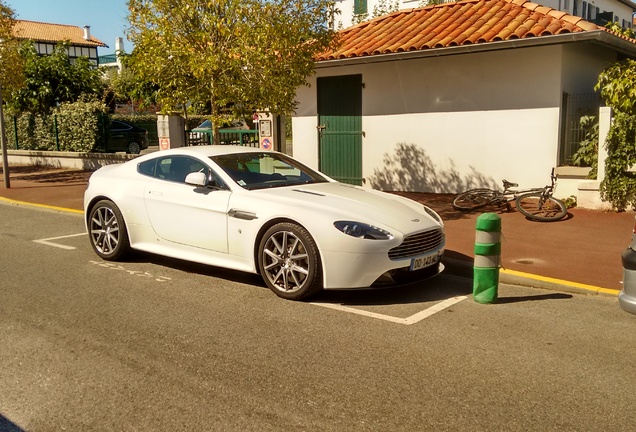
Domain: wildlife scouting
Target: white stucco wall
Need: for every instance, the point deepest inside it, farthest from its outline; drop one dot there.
(582, 64)
(463, 121)
(445, 124)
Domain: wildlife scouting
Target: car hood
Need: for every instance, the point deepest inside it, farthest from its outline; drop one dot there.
(346, 202)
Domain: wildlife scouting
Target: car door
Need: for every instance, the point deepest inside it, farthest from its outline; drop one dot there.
(185, 214)
(119, 135)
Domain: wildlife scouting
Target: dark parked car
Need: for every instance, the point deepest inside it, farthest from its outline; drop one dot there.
(627, 296)
(126, 137)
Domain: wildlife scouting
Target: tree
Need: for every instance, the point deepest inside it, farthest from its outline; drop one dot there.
(236, 55)
(52, 79)
(616, 84)
(124, 86)
(11, 63)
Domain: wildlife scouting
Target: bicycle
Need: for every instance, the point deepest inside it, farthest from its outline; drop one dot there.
(535, 203)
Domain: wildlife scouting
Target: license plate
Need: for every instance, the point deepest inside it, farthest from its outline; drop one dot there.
(425, 261)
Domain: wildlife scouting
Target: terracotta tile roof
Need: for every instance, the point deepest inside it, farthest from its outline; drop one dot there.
(45, 32)
(454, 24)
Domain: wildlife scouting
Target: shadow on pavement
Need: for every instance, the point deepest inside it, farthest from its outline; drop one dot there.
(438, 288)
(555, 296)
(51, 175)
(7, 425)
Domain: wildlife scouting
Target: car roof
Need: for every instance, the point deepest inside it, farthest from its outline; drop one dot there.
(202, 151)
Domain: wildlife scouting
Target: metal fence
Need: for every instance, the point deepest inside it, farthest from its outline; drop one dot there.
(573, 108)
(245, 137)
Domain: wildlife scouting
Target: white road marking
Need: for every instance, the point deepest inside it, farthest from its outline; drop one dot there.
(406, 321)
(112, 266)
(48, 242)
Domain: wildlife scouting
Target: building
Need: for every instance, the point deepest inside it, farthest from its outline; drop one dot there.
(596, 11)
(113, 61)
(459, 95)
(46, 36)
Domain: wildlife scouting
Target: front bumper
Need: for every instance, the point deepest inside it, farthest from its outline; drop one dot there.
(344, 270)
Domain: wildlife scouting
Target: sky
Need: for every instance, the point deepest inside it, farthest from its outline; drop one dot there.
(107, 18)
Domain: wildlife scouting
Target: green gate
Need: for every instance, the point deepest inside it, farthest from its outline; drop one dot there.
(340, 127)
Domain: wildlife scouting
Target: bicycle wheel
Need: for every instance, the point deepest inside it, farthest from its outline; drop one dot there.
(535, 207)
(474, 199)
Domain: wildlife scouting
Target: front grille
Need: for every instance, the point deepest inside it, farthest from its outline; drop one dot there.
(418, 244)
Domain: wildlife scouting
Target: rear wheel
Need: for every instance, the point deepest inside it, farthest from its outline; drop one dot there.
(289, 261)
(107, 231)
(134, 148)
(474, 199)
(534, 206)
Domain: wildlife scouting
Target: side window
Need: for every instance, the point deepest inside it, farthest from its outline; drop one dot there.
(163, 168)
(147, 167)
(176, 169)
(119, 126)
(360, 7)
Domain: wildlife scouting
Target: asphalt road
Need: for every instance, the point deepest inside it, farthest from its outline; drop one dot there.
(157, 344)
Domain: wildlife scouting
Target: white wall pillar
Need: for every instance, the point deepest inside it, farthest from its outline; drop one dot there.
(604, 124)
(588, 190)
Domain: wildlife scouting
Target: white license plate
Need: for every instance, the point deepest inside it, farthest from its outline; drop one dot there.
(425, 261)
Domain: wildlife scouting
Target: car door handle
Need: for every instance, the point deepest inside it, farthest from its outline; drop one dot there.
(155, 193)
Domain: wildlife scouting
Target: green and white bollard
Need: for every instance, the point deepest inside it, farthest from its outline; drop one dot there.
(487, 258)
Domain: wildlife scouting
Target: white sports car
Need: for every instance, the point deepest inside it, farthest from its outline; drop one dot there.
(261, 212)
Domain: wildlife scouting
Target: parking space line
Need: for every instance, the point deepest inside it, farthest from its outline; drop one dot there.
(48, 242)
(405, 321)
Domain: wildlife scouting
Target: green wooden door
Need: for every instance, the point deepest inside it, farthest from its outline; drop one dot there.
(340, 127)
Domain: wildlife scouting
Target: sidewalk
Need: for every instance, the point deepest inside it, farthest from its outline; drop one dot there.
(581, 252)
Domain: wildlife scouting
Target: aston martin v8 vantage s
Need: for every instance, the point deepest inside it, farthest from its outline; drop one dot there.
(261, 212)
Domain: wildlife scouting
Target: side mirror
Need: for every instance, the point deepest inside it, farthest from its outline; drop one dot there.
(198, 179)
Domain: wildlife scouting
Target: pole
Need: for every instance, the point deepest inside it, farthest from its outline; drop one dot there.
(487, 252)
(3, 142)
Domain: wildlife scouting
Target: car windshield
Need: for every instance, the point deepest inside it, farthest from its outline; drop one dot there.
(207, 124)
(260, 170)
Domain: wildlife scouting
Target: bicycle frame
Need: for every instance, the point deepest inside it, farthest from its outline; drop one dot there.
(510, 194)
(535, 203)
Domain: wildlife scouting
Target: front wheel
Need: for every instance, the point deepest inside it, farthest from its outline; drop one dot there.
(107, 231)
(474, 199)
(289, 261)
(536, 207)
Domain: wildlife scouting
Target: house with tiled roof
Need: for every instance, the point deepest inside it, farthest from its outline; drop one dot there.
(46, 36)
(448, 97)
(595, 11)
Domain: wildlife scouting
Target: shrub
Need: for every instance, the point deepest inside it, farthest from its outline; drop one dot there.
(619, 185)
(81, 126)
(75, 127)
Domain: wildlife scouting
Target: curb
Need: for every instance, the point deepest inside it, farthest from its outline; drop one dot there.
(42, 206)
(464, 269)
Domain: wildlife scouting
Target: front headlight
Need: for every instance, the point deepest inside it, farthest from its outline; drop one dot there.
(362, 230)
